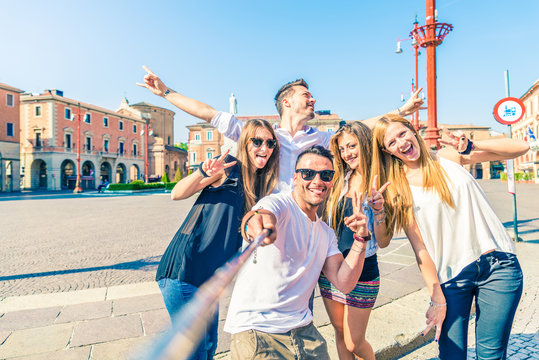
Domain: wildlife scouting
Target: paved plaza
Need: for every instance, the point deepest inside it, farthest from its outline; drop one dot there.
(78, 270)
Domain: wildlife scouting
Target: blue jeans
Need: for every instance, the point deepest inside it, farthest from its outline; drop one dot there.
(495, 280)
(177, 293)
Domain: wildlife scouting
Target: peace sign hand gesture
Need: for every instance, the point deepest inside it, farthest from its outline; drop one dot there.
(376, 200)
(457, 140)
(357, 222)
(214, 166)
(153, 83)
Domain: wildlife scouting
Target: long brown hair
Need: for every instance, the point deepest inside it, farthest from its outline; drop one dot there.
(390, 168)
(261, 182)
(333, 209)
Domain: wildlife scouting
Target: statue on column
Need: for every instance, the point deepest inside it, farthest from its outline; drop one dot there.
(233, 109)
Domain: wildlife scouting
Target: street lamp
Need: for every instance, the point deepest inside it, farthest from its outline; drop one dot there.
(415, 84)
(78, 188)
(429, 36)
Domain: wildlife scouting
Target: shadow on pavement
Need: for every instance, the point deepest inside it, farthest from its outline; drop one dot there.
(147, 264)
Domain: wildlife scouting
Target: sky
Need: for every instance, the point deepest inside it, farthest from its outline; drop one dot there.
(208, 49)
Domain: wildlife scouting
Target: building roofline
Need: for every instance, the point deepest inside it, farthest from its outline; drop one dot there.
(10, 88)
(533, 87)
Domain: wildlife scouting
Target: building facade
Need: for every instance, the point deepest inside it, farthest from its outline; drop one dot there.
(10, 163)
(528, 129)
(53, 130)
(163, 156)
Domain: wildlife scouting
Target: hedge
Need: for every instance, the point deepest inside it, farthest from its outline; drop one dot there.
(519, 176)
(140, 185)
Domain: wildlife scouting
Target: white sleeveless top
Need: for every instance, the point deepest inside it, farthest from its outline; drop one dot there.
(456, 237)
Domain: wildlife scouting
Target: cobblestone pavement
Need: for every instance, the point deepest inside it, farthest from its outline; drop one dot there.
(62, 243)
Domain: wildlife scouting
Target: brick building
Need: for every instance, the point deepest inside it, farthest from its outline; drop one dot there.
(529, 162)
(163, 156)
(110, 143)
(9, 138)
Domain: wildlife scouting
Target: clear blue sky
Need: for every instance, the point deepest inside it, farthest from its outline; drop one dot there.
(93, 51)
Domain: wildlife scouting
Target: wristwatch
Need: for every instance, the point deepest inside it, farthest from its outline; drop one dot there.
(167, 91)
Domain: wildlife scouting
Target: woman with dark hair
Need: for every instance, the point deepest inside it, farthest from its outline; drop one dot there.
(349, 313)
(209, 235)
(473, 254)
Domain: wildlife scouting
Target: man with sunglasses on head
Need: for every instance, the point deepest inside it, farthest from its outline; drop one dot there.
(295, 105)
(269, 315)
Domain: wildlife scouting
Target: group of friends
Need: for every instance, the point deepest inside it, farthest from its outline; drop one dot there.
(331, 200)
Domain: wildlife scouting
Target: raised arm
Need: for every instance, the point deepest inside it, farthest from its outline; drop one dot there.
(436, 311)
(412, 105)
(191, 106)
(344, 272)
(463, 151)
(212, 173)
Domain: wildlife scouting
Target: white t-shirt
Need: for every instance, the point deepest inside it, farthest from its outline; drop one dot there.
(290, 147)
(273, 295)
(456, 237)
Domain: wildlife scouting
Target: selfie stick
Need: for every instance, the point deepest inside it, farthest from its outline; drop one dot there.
(190, 324)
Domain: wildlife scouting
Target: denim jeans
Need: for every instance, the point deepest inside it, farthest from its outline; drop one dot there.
(177, 293)
(495, 280)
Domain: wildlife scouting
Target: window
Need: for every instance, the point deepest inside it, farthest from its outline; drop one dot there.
(209, 135)
(121, 125)
(67, 113)
(168, 140)
(9, 100)
(134, 149)
(193, 158)
(68, 141)
(106, 145)
(209, 155)
(197, 136)
(134, 128)
(38, 110)
(105, 122)
(88, 118)
(121, 147)
(88, 145)
(9, 129)
(329, 129)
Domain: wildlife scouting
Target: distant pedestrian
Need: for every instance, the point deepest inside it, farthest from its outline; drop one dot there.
(209, 235)
(473, 253)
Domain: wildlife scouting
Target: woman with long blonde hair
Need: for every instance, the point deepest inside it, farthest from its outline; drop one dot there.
(473, 255)
(349, 313)
(209, 235)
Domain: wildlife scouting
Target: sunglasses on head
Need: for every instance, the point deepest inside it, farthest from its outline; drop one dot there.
(257, 142)
(309, 174)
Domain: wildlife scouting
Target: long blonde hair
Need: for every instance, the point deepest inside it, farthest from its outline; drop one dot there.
(390, 168)
(334, 209)
(261, 182)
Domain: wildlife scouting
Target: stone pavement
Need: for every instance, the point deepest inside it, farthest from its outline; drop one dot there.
(99, 301)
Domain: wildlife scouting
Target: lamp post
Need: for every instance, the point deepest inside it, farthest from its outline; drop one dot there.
(415, 83)
(146, 152)
(429, 36)
(78, 188)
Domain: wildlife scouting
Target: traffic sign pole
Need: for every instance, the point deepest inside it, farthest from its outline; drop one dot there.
(511, 179)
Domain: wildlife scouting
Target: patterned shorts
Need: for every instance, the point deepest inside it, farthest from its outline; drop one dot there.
(363, 296)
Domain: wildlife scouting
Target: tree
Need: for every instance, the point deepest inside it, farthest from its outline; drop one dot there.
(165, 178)
(182, 145)
(178, 175)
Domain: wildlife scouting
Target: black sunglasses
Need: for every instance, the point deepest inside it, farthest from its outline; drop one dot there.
(257, 142)
(309, 174)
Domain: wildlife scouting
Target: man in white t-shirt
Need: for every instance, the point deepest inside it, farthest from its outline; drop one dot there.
(295, 105)
(269, 315)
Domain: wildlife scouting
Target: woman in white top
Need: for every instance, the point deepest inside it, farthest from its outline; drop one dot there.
(472, 252)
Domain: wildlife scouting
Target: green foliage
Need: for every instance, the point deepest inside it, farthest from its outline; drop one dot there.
(135, 186)
(182, 146)
(139, 182)
(178, 175)
(165, 178)
(170, 185)
(519, 176)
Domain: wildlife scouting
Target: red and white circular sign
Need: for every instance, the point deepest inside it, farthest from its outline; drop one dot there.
(509, 110)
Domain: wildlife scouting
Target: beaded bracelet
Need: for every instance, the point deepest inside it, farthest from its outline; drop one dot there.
(433, 304)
